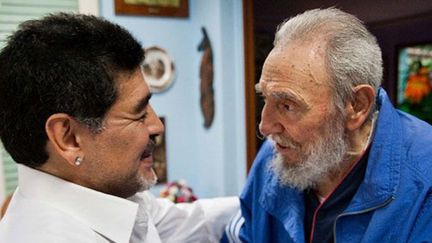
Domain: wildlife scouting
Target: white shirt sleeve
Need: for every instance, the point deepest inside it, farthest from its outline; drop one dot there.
(201, 221)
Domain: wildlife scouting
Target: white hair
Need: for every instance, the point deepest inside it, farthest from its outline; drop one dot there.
(352, 54)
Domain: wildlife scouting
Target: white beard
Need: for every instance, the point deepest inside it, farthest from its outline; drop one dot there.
(147, 183)
(321, 158)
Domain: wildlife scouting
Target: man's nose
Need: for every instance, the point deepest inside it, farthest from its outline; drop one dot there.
(155, 125)
(270, 123)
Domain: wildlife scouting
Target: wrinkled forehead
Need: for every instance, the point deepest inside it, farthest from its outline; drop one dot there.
(295, 69)
(280, 92)
(281, 79)
(301, 61)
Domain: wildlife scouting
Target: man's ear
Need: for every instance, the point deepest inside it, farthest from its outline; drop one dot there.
(63, 134)
(359, 108)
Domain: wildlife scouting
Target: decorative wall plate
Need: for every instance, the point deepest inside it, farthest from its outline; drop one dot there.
(158, 69)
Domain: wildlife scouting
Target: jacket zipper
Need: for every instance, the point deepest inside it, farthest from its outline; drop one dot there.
(359, 212)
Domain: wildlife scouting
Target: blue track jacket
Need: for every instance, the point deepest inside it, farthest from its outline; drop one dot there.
(393, 203)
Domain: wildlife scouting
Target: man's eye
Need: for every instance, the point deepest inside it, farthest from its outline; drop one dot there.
(285, 107)
(143, 117)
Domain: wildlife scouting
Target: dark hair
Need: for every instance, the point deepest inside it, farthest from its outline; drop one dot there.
(62, 63)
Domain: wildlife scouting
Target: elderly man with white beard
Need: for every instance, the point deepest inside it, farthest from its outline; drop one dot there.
(341, 164)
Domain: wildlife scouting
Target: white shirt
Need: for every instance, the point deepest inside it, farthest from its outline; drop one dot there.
(46, 209)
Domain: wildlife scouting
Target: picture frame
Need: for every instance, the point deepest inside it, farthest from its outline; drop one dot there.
(158, 69)
(414, 80)
(163, 8)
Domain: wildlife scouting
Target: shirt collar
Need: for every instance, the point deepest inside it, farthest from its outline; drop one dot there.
(110, 216)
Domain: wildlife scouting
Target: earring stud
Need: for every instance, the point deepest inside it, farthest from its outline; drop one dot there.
(78, 161)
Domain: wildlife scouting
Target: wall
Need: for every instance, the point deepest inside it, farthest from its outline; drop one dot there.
(396, 33)
(211, 161)
(400, 24)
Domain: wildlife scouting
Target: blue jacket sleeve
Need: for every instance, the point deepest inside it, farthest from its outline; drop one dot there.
(240, 228)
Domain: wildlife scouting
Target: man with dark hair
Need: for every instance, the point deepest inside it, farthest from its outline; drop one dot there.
(341, 164)
(75, 115)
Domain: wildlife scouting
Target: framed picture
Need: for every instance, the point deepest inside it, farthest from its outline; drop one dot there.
(167, 8)
(158, 69)
(414, 87)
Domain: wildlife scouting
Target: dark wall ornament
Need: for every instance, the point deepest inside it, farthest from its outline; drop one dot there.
(206, 77)
(158, 69)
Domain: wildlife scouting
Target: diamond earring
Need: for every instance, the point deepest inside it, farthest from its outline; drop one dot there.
(78, 161)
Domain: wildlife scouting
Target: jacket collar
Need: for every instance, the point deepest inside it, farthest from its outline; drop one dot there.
(91, 207)
(383, 169)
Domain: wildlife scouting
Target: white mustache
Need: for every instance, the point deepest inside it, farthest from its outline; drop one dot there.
(283, 141)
